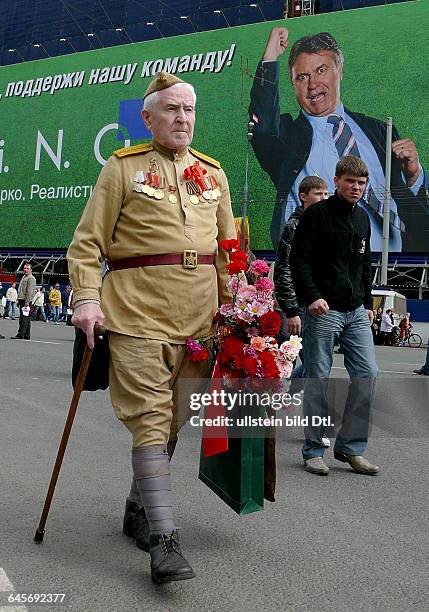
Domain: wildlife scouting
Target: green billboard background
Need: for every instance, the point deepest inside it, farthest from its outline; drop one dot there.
(385, 74)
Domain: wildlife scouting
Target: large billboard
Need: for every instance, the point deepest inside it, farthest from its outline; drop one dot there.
(62, 117)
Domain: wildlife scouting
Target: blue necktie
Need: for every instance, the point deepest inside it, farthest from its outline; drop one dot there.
(345, 144)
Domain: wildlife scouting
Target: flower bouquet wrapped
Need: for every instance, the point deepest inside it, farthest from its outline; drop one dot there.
(239, 464)
(247, 327)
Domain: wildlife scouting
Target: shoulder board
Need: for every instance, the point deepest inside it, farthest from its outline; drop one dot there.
(140, 148)
(206, 158)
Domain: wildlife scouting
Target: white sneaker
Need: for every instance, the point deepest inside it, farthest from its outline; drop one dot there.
(326, 442)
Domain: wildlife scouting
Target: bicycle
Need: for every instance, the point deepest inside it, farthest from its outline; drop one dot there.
(414, 340)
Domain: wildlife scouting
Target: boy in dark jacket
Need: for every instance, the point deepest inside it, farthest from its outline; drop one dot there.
(331, 269)
(312, 189)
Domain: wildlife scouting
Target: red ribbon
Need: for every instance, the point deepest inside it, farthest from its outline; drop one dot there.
(196, 173)
(214, 445)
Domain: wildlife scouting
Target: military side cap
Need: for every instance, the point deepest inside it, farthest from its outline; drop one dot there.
(161, 81)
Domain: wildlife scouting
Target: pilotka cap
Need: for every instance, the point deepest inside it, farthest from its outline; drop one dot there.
(162, 80)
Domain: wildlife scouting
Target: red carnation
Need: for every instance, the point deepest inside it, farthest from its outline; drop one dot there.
(268, 362)
(236, 266)
(250, 365)
(228, 245)
(232, 346)
(270, 323)
(238, 255)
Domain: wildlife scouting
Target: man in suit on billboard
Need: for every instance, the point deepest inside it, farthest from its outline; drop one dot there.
(289, 149)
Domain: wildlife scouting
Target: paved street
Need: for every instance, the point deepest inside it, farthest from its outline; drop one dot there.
(346, 542)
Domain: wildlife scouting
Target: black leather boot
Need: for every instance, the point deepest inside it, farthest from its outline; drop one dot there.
(136, 525)
(167, 562)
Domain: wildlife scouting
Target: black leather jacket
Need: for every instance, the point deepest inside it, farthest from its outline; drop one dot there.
(285, 291)
(331, 257)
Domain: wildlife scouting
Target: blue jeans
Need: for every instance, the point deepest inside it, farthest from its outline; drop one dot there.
(321, 333)
(36, 311)
(56, 313)
(10, 309)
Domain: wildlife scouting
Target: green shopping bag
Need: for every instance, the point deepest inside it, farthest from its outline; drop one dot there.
(237, 475)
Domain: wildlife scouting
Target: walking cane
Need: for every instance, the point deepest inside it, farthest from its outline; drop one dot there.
(40, 531)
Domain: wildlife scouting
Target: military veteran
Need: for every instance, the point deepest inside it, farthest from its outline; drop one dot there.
(156, 214)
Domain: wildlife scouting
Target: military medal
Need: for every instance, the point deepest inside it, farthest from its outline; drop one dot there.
(215, 188)
(153, 165)
(138, 187)
(195, 183)
(139, 177)
(172, 197)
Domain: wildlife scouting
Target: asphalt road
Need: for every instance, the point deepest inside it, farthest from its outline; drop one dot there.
(346, 542)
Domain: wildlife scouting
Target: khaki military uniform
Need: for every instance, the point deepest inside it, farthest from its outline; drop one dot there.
(151, 311)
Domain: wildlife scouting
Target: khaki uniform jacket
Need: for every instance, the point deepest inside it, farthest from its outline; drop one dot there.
(165, 302)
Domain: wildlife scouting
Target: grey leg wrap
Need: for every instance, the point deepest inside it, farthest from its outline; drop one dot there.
(152, 475)
(134, 495)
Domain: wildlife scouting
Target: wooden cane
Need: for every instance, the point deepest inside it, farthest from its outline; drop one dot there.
(40, 531)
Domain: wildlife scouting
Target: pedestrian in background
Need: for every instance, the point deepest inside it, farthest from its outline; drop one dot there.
(11, 300)
(55, 301)
(26, 292)
(39, 304)
(386, 327)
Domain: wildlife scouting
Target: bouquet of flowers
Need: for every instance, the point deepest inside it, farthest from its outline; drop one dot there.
(245, 341)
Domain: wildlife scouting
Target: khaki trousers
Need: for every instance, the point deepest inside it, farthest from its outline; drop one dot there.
(150, 383)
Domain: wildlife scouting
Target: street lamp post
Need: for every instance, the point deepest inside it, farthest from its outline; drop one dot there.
(219, 12)
(254, 5)
(155, 25)
(17, 52)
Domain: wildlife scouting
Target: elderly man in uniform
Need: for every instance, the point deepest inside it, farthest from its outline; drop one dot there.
(157, 214)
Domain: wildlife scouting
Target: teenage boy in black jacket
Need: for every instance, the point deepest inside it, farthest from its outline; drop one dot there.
(331, 270)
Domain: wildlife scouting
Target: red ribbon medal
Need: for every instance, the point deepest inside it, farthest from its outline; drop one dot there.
(196, 173)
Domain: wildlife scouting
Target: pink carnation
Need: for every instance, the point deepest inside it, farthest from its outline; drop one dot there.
(264, 284)
(259, 266)
(192, 346)
(246, 292)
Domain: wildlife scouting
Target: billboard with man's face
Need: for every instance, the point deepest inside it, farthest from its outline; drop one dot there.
(62, 117)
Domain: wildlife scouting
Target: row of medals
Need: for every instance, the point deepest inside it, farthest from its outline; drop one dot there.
(154, 186)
